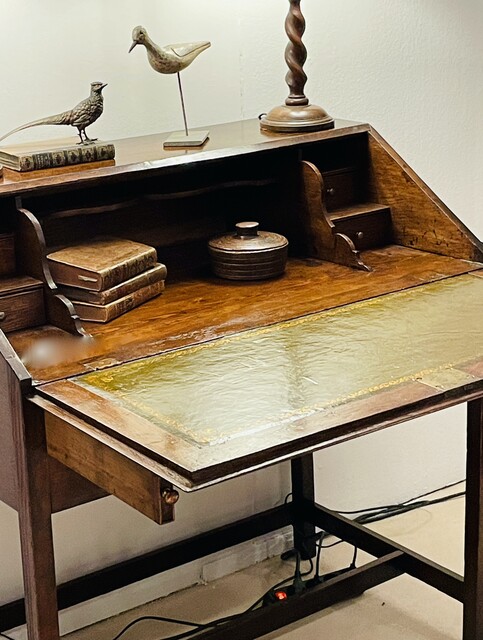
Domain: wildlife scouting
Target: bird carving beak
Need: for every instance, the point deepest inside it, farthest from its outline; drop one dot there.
(133, 45)
(104, 85)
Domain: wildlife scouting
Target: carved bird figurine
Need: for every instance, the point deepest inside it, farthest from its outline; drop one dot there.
(81, 116)
(172, 58)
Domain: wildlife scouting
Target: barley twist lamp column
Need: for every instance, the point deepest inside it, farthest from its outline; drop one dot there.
(297, 114)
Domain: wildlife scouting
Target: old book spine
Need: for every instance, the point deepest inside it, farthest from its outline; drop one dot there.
(128, 269)
(62, 158)
(156, 274)
(106, 313)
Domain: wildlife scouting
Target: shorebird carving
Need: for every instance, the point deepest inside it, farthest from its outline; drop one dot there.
(170, 59)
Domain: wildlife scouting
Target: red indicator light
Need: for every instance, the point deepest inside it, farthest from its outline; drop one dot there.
(281, 595)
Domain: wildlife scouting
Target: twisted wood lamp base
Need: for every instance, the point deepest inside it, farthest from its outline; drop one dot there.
(297, 114)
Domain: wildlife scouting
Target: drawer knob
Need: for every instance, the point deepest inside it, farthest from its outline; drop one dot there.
(170, 496)
(2, 316)
(331, 191)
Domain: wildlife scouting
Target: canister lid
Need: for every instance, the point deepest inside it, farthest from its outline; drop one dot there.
(248, 237)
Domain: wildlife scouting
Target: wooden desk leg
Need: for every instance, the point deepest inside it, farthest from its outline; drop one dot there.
(303, 490)
(36, 529)
(473, 607)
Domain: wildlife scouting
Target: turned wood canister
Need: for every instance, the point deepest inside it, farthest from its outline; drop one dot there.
(248, 253)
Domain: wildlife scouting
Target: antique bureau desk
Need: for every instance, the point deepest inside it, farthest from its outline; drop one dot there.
(377, 320)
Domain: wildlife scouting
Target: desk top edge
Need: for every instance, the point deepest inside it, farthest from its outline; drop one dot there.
(145, 154)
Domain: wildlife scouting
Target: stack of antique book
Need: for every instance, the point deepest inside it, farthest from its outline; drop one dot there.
(107, 277)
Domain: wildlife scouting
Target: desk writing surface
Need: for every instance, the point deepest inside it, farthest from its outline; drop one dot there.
(205, 308)
(235, 401)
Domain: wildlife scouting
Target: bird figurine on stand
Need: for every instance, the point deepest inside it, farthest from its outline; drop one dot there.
(173, 58)
(81, 116)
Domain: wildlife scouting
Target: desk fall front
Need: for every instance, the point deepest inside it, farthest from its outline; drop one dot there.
(377, 320)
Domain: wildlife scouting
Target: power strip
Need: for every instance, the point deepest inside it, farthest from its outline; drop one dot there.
(300, 586)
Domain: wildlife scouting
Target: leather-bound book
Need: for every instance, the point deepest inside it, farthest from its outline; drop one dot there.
(101, 263)
(151, 276)
(42, 155)
(107, 312)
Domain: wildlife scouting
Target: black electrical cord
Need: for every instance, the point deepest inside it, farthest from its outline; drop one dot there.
(183, 623)
(198, 627)
(376, 514)
(354, 559)
(371, 514)
(404, 508)
(320, 546)
(393, 506)
(204, 626)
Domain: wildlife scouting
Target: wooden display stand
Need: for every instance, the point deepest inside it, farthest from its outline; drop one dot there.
(361, 226)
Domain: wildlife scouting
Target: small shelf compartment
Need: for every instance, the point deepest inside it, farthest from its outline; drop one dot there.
(21, 303)
(21, 296)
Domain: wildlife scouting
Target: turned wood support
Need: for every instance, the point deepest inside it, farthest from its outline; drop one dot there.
(295, 56)
(297, 114)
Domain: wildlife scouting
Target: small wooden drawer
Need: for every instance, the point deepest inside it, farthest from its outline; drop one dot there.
(108, 463)
(7, 254)
(341, 188)
(21, 306)
(367, 225)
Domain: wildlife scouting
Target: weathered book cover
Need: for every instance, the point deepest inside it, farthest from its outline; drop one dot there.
(151, 276)
(101, 263)
(107, 312)
(45, 155)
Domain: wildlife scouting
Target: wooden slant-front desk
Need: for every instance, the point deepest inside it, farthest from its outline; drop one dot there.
(378, 319)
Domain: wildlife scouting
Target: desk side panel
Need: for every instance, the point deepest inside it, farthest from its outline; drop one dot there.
(420, 219)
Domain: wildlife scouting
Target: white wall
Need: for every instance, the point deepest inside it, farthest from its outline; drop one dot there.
(412, 68)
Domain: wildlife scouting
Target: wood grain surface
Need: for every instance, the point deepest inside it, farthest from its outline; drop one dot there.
(420, 219)
(202, 309)
(146, 155)
(7, 254)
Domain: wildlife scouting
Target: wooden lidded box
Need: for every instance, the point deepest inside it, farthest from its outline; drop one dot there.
(249, 254)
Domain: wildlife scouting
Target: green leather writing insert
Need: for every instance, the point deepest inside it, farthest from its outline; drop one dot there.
(259, 379)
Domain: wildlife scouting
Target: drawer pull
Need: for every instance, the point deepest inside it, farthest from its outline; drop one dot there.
(2, 316)
(170, 496)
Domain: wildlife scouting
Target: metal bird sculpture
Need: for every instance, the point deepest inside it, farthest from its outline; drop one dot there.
(172, 58)
(81, 116)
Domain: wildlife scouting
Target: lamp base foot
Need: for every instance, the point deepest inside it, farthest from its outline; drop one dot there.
(296, 119)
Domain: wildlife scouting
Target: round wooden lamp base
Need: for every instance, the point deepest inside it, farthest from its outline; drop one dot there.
(296, 119)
